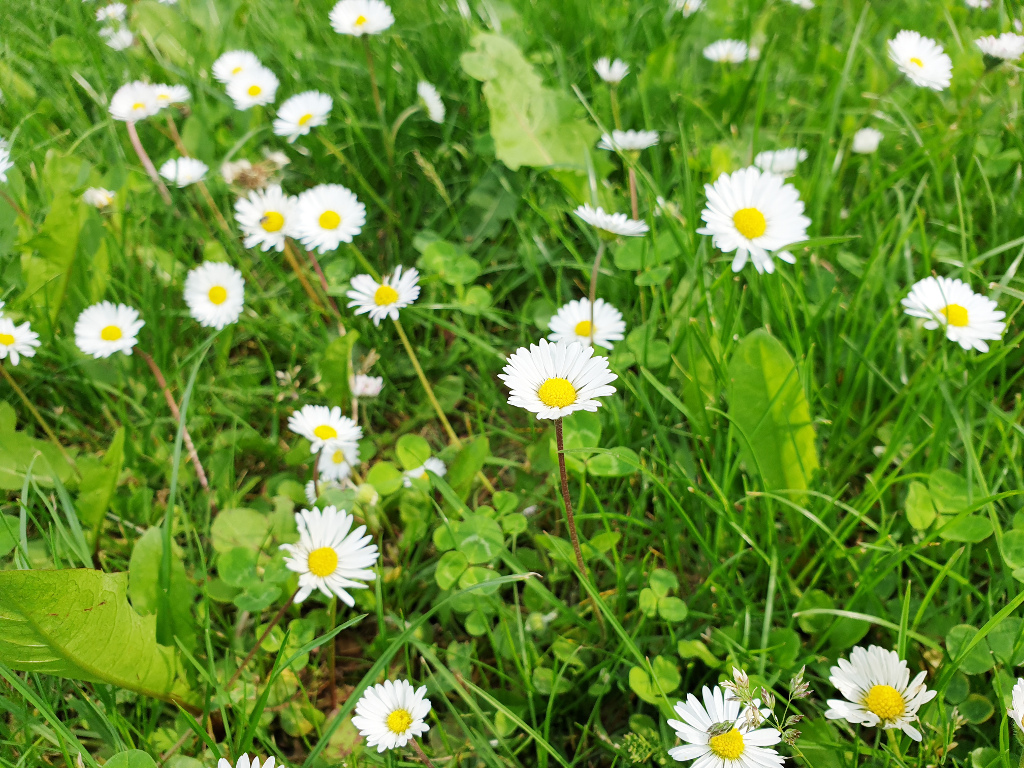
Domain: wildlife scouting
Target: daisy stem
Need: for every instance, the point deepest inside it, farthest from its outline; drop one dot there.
(273, 623)
(565, 498)
(38, 417)
(289, 256)
(147, 163)
(189, 445)
(17, 208)
(323, 282)
(216, 211)
(593, 286)
(421, 753)
(632, 194)
(614, 94)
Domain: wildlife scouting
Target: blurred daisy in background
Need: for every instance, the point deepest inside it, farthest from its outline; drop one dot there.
(978, 3)
(98, 197)
(921, 59)
(301, 113)
(719, 734)
(366, 386)
(117, 37)
(866, 141)
(969, 318)
(389, 715)
(106, 328)
(133, 102)
(266, 218)
(243, 761)
(183, 171)
(328, 215)
(431, 101)
(1016, 710)
(780, 161)
(337, 458)
(384, 299)
(5, 160)
(320, 424)
(112, 12)
(727, 51)
(215, 294)
(688, 7)
(361, 17)
(807, 5)
(234, 63)
(555, 380)
(573, 322)
(612, 223)
(253, 87)
(611, 71)
(1008, 46)
(166, 95)
(628, 141)
(16, 341)
(433, 464)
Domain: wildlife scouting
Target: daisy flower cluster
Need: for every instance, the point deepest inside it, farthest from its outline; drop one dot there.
(138, 100)
(114, 25)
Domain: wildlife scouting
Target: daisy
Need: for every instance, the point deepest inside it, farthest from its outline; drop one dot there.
(266, 218)
(133, 102)
(979, 3)
(573, 323)
(328, 215)
(253, 88)
(613, 223)
(866, 141)
(628, 141)
(688, 7)
(361, 17)
(117, 38)
(366, 386)
(431, 101)
(878, 691)
(1008, 46)
(921, 59)
(105, 328)
(234, 63)
(432, 464)
(336, 460)
(807, 5)
(781, 161)
(183, 171)
(301, 113)
(112, 12)
(969, 318)
(243, 761)
(215, 294)
(5, 160)
(717, 733)
(17, 341)
(1016, 712)
(754, 213)
(611, 71)
(329, 555)
(389, 715)
(171, 94)
(385, 298)
(98, 197)
(554, 380)
(319, 424)
(727, 51)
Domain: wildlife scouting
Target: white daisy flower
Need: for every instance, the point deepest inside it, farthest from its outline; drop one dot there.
(1008, 46)
(105, 328)
(688, 7)
(431, 101)
(921, 59)
(243, 761)
(433, 464)
(112, 12)
(780, 161)
(366, 386)
(183, 171)
(5, 160)
(968, 317)
(385, 298)
(611, 71)
(301, 113)
(320, 424)
(613, 223)
(807, 5)
(327, 216)
(311, 488)
(16, 341)
(234, 63)
(1016, 712)
(628, 141)
(329, 555)
(361, 17)
(554, 380)
(878, 691)
(253, 88)
(98, 197)
(866, 141)
(133, 102)
(727, 51)
(266, 218)
(171, 94)
(117, 37)
(978, 3)
(754, 213)
(337, 459)
(573, 322)
(389, 715)
(215, 294)
(717, 734)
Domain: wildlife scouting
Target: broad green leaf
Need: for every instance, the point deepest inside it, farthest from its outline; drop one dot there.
(412, 451)
(479, 538)
(972, 529)
(666, 679)
(1002, 639)
(164, 27)
(695, 649)
(979, 659)
(663, 581)
(672, 609)
(615, 462)
(99, 480)
(451, 262)
(144, 585)
(469, 461)
(815, 623)
(133, 758)
(335, 368)
(239, 528)
(257, 597)
(948, 491)
(1013, 548)
(476, 300)
(976, 709)
(385, 477)
(638, 253)
(50, 255)
(18, 452)
(648, 350)
(237, 567)
(449, 568)
(920, 508)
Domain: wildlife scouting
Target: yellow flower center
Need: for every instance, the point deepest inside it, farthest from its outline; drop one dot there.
(236, 70)
(750, 222)
(305, 119)
(583, 328)
(111, 333)
(138, 105)
(360, 20)
(915, 60)
(323, 562)
(255, 90)
(885, 701)
(399, 720)
(338, 457)
(217, 295)
(163, 97)
(6, 339)
(955, 315)
(557, 393)
(728, 745)
(272, 221)
(329, 220)
(385, 295)
(325, 432)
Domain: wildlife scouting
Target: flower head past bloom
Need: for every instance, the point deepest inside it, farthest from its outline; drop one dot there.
(301, 113)
(384, 299)
(612, 223)
(717, 733)
(389, 715)
(215, 294)
(628, 141)
(320, 424)
(866, 141)
(575, 322)
(243, 761)
(105, 328)
(1016, 710)
(328, 215)
(1008, 46)
(611, 71)
(16, 341)
(183, 171)
(431, 100)
(555, 380)
(969, 318)
(727, 51)
(361, 17)
(780, 161)
(921, 59)
(266, 218)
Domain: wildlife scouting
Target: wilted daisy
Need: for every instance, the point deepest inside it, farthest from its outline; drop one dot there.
(17, 341)
(112, 12)
(611, 71)
(554, 380)
(968, 317)
(1008, 46)
(337, 459)
(921, 59)
(612, 223)
(133, 102)
(98, 197)
(878, 691)
(5, 160)
(266, 218)
(253, 88)
(215, 294)
(329, 555)
(385, 298)
(170, 94)
(389, 715)
(243, 761)
(366, 386)
(431, 101)
(754, 213)
(320, 424)
(1016, 711)
(105, 328)
(432, 464)
(117, 37)
(183, 171)
(301, 113)
(234, 63)
(688, 7)
(628, 141)
(780, 161)
(718, 734)
(328, 215)
(866, 141)
(361, 17)
(573, 322)
(727, 51)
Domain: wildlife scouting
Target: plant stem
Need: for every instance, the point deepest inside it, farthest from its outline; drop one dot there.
(419, 751)
(632, 194)
(614, 94)
(17, 208)
(216, 211)
(147, 163)
(593, 285)
(273, 623)
(565, 498)
(323, 281)
(289, 256)
(38, 417)
(452, 437)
